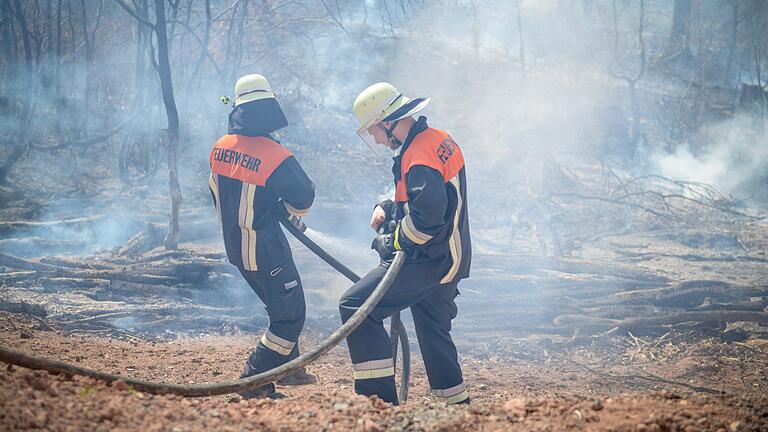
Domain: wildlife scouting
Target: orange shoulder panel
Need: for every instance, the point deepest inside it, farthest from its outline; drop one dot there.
(248, 159)
(435, 149)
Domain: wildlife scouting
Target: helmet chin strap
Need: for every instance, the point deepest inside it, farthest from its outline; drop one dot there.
(390, 136)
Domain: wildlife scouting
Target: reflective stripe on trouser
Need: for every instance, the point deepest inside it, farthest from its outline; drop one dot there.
(283, 296)
(374, 369)
(432, 307)
(276, 343)
(455, 394)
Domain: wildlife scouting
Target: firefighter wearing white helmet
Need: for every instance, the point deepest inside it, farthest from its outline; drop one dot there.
(382, 102)
(254, 181)
(428, 221)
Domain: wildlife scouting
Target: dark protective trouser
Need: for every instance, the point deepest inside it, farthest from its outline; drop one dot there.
(432, 306)
(283, 295)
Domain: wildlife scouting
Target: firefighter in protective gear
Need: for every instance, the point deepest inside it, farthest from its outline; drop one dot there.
(254, 180)
(428, 221)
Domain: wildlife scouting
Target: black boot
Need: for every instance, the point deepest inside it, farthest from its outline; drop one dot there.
(267, 391)
(300, 377)
(264, 392)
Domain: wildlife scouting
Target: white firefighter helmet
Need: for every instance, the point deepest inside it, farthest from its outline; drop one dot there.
(383, 102)
(251, 88)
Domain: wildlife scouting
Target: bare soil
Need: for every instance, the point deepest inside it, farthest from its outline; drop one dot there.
(537, 335)
(637, 384)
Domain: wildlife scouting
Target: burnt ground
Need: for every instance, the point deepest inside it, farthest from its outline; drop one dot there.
(546, 343)
(621, 385)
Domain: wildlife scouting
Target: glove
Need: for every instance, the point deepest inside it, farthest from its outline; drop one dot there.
(283, 213)
(296, 221)
(387, 227)
(384, 244)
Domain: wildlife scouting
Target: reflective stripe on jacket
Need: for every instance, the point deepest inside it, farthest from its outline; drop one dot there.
(248, 176)
(431, 198)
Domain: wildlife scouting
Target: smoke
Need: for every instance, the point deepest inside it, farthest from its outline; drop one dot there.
(520, 94)
(511, 119)
(731, 155)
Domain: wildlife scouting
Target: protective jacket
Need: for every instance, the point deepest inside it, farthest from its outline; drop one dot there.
(249, 174)
(432, 227)
(430, 205)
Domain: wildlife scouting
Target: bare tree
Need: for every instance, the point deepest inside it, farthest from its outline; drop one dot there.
(206, 40)
(679, 37)
(630, 79)
(519, 4)
(732, 43)
(9, 42)
(88, 41)
(171, 141)
(18, 142)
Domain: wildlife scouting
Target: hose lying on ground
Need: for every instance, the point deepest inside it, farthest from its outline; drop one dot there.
(396, 329)
(8, 355)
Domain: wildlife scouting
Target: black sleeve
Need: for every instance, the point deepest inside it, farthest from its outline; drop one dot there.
(293, 186)
(427, 202)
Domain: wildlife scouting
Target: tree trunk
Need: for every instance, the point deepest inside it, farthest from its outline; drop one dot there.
(88, 59)
(25, 36)
(14, 39)
(18, 141)
(520, 36)
(72, 31)
(48, 25)
(37, 36)
(238, 52)
(732, 45)
(8, 38)
(230, 50)
(681, 28)
(172, 142)
(46, 78)
(142, 49)
(57, 67)
(206, 38)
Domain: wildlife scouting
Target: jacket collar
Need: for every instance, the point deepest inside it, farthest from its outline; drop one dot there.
(417, 128)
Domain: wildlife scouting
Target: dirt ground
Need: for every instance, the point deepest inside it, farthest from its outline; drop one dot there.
(633, 385)
(526, 367)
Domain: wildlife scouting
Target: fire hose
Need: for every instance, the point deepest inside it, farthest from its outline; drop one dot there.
(12, 356)
(396, 329)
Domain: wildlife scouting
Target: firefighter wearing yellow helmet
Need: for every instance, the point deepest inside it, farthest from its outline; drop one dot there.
(428, 221)
(254, 180)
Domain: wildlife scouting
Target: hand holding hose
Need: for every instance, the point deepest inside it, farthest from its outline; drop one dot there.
(293, 219)
(384, 244)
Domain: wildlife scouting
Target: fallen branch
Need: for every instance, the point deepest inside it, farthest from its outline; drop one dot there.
(22, 225)
(59, 283)
(117, 274)
(691, 257)
(95, 318)
(688, 293)
(631, 324)
(648, 377)
(34, 244)
(526, 264)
